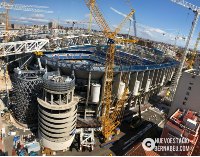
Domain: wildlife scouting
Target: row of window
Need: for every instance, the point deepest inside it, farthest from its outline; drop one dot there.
(187, 93)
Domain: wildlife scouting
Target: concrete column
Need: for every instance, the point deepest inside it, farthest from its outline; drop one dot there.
(116, 81)
(60, 98)
(46, 67)
(88, 89)
(146, 99)
(158, 76)
(146, 77)
(170, 70)
(45, 96)
(72, 95)
(129, 76)
(174, 71)
(67, 98)
(154, 77)
(140, 78)
(161, 76)
(88, 94)
(99, 108)
(167, 74)
(164, 73)
(151, 75)
(51, 99)
(132, 81)
(171, 73)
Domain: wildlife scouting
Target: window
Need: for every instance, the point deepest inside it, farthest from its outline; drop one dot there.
(189, 88)
(186, 98)
(187, 93)
(184, 103)
(191, 83)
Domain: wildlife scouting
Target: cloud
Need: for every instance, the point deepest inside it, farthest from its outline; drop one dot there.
(120, 13)
(30, 19)
(153, 33)
(38, 16)
(18, 21)
(71, 20)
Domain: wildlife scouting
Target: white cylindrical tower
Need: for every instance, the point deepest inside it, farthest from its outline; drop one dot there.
(148, 85)
(136, 88)
(163, 80)
(95, 92)
(57, 112)
(120, 89)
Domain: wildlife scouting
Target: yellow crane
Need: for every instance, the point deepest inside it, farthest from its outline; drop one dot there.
(7, 15)
(110, 121)
(194, 53)
(7, 18)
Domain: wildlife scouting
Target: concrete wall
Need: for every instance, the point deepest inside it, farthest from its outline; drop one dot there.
(157, 82)
(156, 77)
(187, 95)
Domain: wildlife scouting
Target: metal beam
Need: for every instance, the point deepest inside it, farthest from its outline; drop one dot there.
(28, 46)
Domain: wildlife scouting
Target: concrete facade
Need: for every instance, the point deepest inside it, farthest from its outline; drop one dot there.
(57, 112)
(87, 109)
(88, 68)
(197, 62)
(187, 92)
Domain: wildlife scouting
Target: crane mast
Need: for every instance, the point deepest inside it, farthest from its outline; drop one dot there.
(194, 53)
(196, 10)
(109, 121)
(7, 17)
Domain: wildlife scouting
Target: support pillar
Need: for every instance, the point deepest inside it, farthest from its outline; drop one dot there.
(88, 93)
(51, 99)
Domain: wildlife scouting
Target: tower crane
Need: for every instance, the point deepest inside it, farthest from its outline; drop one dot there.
(133, 19)
(7, 15)
(134, 25)
(7, 18)
(110, 121)
(194, 53)
(196, 10)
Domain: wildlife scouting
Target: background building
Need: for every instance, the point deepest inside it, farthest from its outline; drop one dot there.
(52, 24)
(182, 124)
(187, 93)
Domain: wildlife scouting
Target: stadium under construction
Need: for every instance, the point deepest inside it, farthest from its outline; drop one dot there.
(67, 84)
(86, 64)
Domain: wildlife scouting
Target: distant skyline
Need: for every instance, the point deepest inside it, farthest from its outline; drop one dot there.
(160, 20)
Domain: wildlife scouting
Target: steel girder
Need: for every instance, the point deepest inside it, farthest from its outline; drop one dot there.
(27, 87)
(28, 46)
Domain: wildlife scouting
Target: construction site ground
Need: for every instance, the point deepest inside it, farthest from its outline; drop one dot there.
(126, 133)
(115, 149)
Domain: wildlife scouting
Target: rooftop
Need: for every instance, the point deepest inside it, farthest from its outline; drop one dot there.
(185, 123)
(193, 72)
(140, 151)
